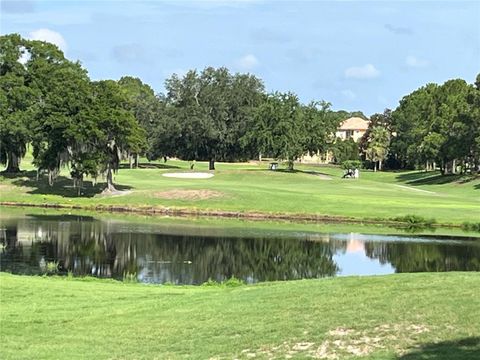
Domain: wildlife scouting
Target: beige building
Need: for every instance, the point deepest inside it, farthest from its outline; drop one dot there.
(353, 127)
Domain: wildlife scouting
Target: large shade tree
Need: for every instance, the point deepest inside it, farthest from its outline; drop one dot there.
(205, 114)
(117, 131)
(17, 95)
(438, 124)
(279, 129)
(64, 95)
(88, 126)
(144, 105)
(320, 124)
(474, 125)
(285, 129)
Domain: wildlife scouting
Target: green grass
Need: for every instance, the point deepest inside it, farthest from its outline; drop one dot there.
(405, 316)
(215, 226)
(253, 188)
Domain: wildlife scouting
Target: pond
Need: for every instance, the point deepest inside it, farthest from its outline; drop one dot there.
(161, 252)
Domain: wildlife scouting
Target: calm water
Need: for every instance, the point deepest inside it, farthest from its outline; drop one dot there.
(160, 253)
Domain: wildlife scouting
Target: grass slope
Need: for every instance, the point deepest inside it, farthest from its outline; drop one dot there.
(253, 188)
(215, 226)
(405, 316)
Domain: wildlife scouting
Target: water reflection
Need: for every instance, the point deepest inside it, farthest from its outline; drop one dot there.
(87, 246)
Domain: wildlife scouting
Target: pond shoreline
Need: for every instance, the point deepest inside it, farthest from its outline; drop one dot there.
(259, 216)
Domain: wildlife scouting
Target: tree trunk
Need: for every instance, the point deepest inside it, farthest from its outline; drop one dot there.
(110, 186)
(13, 164)
(374, 166)
(260, 157)
(137, 158)
(50, 177)
(380, 165)
(211, 164)
(79, 185)
(130, 161)
(290, 165)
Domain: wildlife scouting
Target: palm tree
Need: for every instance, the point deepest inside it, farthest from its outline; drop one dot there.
(377, 147)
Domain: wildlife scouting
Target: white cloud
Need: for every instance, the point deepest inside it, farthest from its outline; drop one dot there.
(247, 62)
(349, 94)
(49, 36)
(412, 61)
(362, 72)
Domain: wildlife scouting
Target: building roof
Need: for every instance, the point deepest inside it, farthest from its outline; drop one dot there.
(354, 123)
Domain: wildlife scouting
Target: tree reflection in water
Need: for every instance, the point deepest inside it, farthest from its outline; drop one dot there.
(427, 257)
(86, 246)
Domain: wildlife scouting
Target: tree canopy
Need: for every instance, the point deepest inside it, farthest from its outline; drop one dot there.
(49, 103)
(205, 113)
(438, 124)
(17, 95)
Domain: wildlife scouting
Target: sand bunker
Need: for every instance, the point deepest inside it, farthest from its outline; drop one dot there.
(189, 175)
(115, 192)
(176, 194)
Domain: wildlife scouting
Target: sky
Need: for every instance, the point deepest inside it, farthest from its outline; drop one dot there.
(357, 55)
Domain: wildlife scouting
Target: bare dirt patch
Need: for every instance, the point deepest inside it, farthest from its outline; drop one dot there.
(342, 343)
(340, 332)
(179, 194)
(106, 193)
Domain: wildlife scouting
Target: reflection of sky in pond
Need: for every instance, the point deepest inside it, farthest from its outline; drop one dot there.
(354, 260)
(357, 263)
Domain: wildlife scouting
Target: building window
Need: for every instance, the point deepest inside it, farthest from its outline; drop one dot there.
(349, 133)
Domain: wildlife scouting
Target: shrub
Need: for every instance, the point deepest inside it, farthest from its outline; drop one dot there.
(211, 282)
(130, 277)
(351, 164)
(415, 220)
(467, 226)
(232, 282)
(49, 267)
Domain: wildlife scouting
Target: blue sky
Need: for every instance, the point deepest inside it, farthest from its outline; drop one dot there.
(357, 55)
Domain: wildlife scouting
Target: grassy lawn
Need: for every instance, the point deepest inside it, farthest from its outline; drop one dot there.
(404, 316)
(217, 226)
(253, 188)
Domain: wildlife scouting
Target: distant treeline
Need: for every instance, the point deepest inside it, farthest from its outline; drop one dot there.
(50, 102)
